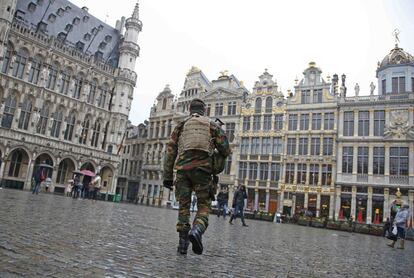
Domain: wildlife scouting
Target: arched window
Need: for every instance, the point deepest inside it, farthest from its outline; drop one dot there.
(44, 116)
(6, 59)
(70, 124)
(258, 105)
(95, 134)
(25, 114)
(78, 87)
(105, 135)
(102, 96)
(85, 131)
(35, 70)
(20, 64)
(15, 163)
(57, 124)
(62, 172)
(92, 92)
(164, 103)
(269, 103)
(51, 80)
(65, 80)
(8, 114)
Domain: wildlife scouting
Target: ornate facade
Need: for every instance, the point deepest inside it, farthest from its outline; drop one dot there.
(223, 98)
(309, 156)
(315, 150)
(260, 134)
(66, 86)
(376, 143)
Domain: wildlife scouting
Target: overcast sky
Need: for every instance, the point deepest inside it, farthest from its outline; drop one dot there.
(245, 37)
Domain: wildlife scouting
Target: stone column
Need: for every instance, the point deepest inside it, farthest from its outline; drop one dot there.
(281, 199)
(340, 121)
(386, 207)
(387, 161)
(356, 123)
(2, 166)
(318, 204)
(112, 190)
(369, 205)
(54, 176)
(293, 204)
(338, 202)
(371, 123)
(355, 161)
(353, 202)
(267, 200)
(332, 205)
(28, 183)
(305, 203)
(256, 199)
(411, 204)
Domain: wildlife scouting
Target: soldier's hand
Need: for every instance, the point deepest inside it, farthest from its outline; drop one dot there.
(168, 184)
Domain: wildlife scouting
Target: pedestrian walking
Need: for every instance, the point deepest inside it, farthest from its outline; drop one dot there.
(39, 177)
(69, 187)
(222, 201)
(401, 222)
(96, 186)
(191, 151)
(76, 186)
(238, 204)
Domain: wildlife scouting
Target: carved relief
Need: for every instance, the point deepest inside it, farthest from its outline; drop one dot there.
(399, 125)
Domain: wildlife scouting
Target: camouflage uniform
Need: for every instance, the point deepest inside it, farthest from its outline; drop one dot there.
(194, 169)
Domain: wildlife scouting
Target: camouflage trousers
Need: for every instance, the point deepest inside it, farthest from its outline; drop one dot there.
(186, 182)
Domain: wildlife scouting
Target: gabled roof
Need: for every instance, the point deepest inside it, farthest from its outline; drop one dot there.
(79, 28)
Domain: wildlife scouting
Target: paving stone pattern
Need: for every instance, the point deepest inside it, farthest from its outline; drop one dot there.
(55, 236)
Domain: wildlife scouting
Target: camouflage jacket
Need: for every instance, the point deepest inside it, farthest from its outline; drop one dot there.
(193, 159)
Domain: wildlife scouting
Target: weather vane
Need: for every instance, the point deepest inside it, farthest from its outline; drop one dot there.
(396, 33)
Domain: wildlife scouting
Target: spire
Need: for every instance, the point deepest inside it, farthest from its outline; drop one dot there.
(135, 14)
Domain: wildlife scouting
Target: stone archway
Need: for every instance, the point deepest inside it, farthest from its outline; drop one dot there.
(64, 173)
(16, 167)
(88, 166)
(44, 158)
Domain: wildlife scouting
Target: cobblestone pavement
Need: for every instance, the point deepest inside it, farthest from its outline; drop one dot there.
(55, 236)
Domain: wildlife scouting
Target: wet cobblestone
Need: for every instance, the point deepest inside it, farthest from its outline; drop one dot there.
(55, 236)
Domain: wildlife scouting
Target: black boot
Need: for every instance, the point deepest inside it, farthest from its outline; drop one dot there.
(231, 219)
(183, 243)
(195, 238)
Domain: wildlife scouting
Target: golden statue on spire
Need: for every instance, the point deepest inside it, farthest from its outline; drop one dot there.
(396, 33)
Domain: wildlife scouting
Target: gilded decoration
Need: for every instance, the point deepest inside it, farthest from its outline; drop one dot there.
(399, 125)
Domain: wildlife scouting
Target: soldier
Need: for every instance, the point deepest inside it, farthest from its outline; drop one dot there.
(194, 141)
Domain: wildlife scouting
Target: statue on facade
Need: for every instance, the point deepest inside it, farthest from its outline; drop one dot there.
(356, 89)
(79, 130)
(2, 105)
(29, 67)
(72, 85)
(36, 118)
(44, 75)
(372, 88)
(51, 122)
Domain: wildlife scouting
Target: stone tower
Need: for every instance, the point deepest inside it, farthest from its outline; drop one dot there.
(7, 8)
(126, 78)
